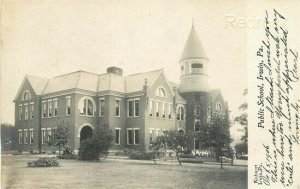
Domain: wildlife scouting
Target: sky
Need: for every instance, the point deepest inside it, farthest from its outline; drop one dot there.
(50, 38)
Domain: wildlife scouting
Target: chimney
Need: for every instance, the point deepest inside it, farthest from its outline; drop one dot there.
(114, 70)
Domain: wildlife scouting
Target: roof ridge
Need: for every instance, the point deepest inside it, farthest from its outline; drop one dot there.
(161, 69)
(45, 86)
(76, 86)
(80, 71)
(28, 75)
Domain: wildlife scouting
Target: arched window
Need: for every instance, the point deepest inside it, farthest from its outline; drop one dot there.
(161, 92)
(26, 95)
(87, 106)
(218, 107)
(197, 68)
(180, 112)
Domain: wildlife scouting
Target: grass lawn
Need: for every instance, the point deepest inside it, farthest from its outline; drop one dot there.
(115, 174)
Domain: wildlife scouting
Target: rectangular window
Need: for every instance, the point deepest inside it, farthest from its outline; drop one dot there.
(151, 108)
(130, 108)
(31, 136)
(31, 110)
(151, 133)
(118, 136)
(157, 133)
(136, 108)
(157, 109)
(132, 136)
(197, 125)
(101, 109)
(49, 134)
(197, 111)
(49, 108)
(20, 136)
(55, 107)
(164, 110)
(196, 144)
(170, 111)
(129, 137)
(26, 111)
(133, 108)
(136, 137)
(20, 112)
(25, 136)
(118, 105)
(44, 109)
(68, 105)
(43, 135)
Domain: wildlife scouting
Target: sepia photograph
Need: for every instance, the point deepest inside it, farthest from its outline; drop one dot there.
(147, 94)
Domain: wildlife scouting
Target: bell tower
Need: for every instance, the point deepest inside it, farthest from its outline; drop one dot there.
(194, 66)
(194, 87)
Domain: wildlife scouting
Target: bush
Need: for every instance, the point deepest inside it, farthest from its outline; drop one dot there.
(141, 155)
(68, 153)
(100, 142)
(43, 162)
(187, 156)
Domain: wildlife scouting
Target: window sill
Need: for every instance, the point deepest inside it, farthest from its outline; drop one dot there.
(117, 144)
(87, 115)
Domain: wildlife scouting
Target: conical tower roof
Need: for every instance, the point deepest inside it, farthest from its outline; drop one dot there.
(193, 47)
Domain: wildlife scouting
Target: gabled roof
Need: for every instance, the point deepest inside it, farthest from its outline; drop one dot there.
(94, 82)
(215, 93)
(193, 47)
(63, 82)
(135, 82)
(38, 84)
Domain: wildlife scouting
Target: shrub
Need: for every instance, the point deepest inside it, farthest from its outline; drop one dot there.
(187, 156)
(141, 155)
(67, 156)
(43, 162)
(99, 143)
(68, 153)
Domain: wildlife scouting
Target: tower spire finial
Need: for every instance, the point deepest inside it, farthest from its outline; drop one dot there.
(192, 22)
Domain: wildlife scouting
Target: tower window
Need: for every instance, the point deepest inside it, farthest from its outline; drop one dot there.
(197, 125)
(218, 107)
(196, 144)
(197, 68)
(180, 113)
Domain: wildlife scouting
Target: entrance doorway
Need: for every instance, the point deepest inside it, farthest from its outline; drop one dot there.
(86, 132)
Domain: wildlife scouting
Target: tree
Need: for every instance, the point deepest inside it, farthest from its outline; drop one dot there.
(241, 148)
(242, 119)
(60, 135)
(216, 135)
(8, 136)
(100, 142)
(157, 147)
(219, 134)
(177, 141)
